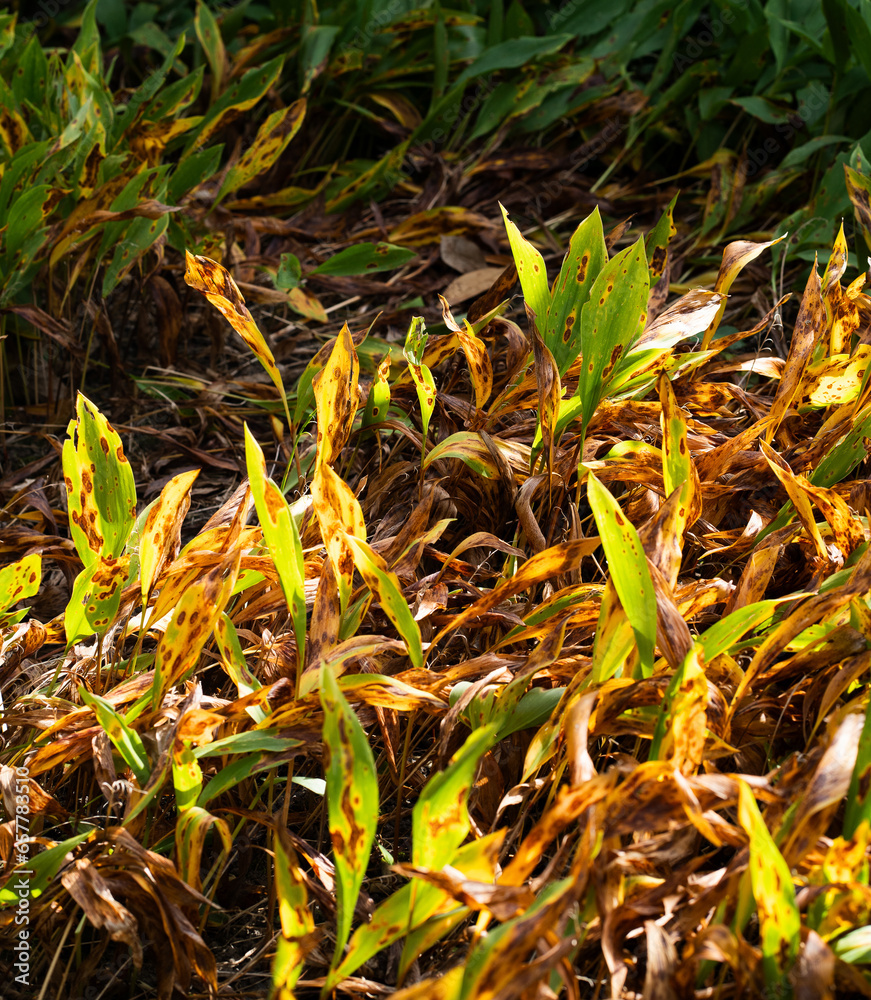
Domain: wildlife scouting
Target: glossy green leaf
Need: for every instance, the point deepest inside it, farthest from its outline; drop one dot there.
(440, 819)
(586, 257)
(773, 890)
(366, 258)
(282, 536)
(531, 272)
(352, 801)
(627, 565)
(729, 630)
(611, 321)
(126, 740)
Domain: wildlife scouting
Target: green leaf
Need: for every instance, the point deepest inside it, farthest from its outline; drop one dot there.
(440, 819)
(854, 947)
(586, 257)
(352, 801)
(415, 343)
(627, 565)
(231, 774)
(611, 321)
(726, 632)
(235, 101)
(209, 35)
(233, 660)
(531, 711)
(378, 400)
(289, 272)
(190, 173)
(656, 243)
(44, 866)
(771, 883)
(531, 272)
(470, 448)
(858, 798)
(187, 778)
(126, 740)
(176, 97)
(385, 585)
(408, 908)
(282, 537)
(315, 50)
(146, 92)
(248, 741)
(26, 218)
(842, 459)
(366, 258)
(141, 234)
(95, 598)
(20, 580)
(297, 922)
(101, 492)
(512, 54)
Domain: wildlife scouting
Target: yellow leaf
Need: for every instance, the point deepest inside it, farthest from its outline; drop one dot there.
(735, 257)
(338, 513)
(480, 368)
(216, 283)
(160, 533)
(336, 398)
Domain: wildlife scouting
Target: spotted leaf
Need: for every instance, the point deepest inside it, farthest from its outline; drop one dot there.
(162, 529)
(627, 564)
(611, 322)
(216, 283)
(336, 398)
(20, 580)
(771, 883)
(586, 257)
(282, 536)
(384, 584)
(352, 802)
(101, 493)
(272, 138)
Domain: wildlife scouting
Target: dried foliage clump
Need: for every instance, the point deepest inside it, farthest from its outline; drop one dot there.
(544, 670)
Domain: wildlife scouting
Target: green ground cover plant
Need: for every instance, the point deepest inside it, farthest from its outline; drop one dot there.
(543, 755)
(506, 642)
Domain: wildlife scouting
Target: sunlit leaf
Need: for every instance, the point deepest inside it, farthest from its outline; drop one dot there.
(771, 882)
(296, 920)
(282, 537)
(611, 321)
(20, 580)
(384, 584)
(627, 565)
(100, 489)
(352, 799)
